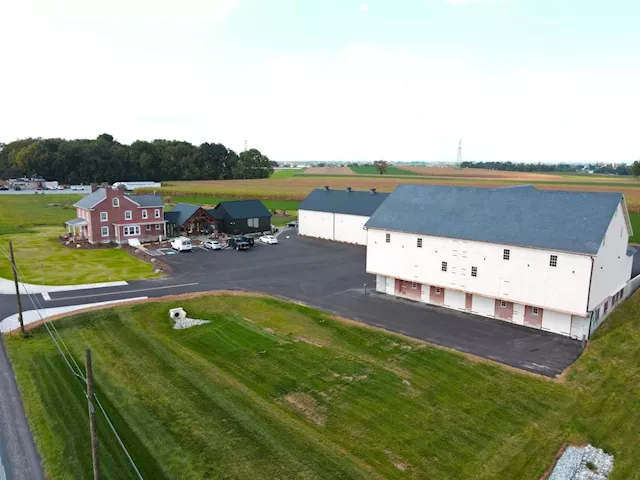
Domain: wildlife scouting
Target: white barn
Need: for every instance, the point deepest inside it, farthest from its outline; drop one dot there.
(338, 215)
(552, 260)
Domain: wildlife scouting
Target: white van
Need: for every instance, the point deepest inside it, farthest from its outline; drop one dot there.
(181, 244)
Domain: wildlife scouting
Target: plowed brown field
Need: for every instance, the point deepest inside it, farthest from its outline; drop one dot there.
(479, 173)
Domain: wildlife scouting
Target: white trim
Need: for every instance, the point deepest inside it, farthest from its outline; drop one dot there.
(145, 214)
(127, 228)
(115, 203)
(147, 227)
(158, 226)
(102, 229)
(128, 217)
(156, 213)
(106, 216)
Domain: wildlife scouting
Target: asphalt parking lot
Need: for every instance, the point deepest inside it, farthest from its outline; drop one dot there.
(331, 276)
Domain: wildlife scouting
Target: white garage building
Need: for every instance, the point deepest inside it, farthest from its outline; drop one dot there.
(552, 260)
(338, 215)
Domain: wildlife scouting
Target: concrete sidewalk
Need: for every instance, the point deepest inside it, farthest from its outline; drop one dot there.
(7, 287)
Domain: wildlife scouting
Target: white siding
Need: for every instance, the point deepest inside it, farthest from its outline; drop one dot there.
(454, 299)
(611, 267)
(381, 284)
(556, 322)
(526, 278)
(518, 314)
(350, 229)
(483, 306)
(315, 224)
(580, 327)
(391, 286)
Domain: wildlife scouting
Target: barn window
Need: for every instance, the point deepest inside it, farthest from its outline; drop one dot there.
(387, 238)
(444, 266)
(503, 304)
(474, 271)
(534, 310)
(506, 253)
(414, 285)
(419, 243)
(253, 222)
(553, 261)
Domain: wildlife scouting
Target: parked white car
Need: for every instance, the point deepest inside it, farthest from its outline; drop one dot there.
(181, 244)
(268, 239)
(213, 245)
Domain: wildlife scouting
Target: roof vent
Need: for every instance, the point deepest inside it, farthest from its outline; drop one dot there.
(348, 189)
(373, 191)
(326, 187)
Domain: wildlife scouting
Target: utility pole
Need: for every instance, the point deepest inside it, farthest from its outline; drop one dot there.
(15, 280)
(459, 159)
(92, 418)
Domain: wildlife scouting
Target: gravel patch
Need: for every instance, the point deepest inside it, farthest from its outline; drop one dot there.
(188, 323)
(588, 463)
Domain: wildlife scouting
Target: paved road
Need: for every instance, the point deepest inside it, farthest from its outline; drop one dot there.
(321, 274)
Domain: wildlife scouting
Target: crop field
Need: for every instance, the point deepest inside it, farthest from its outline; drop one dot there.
(298, 187)
(478, 173)
(286, 173)
(390, 171)
(33, 222)
(329, 171)
(271, 389)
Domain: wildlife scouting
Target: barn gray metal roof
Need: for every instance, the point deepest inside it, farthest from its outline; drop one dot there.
(342, 201)
(548, 219)
(147, 200)
(241, 209)
(181, 213)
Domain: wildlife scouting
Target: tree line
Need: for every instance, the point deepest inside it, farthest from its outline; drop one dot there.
(106, 160)
(602, 168)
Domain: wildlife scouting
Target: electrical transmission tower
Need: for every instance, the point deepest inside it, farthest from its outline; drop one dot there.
(459, 158)
(245, 146)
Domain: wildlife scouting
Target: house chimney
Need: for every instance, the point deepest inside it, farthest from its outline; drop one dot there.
(326, 187)
(373, 191)
(94, 187)
(104, 185)
(348, 189)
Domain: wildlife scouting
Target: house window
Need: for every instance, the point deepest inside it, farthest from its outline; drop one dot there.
(506, 253)
(474, 271)
(534, 310)
(419, 242)
(253, 222)
(104, 231)
(158, 226)
(444, 266)
(387, 238)
(144, 214)
(503, 304)
(414, 285)
(133, 230)
(116, 202)
(127, 215)
(438, 290)
(156, 213)
(553, 261)
(104, 216)
(147, 228)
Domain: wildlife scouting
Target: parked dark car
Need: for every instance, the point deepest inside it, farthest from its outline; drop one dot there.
(238, 243)
(293, 224)
(247, 239)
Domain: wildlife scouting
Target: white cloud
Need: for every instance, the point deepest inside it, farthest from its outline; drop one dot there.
(364, 8)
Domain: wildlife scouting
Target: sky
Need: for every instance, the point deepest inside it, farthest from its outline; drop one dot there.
(399, 80)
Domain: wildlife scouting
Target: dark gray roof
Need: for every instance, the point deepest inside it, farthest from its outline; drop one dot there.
(181, 213)
(77, 222)
(548, 219)
(91, 200)
(242, 209)
(342, 201)
(147, 200)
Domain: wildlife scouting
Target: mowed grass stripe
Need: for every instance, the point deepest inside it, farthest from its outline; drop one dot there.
(271, 389)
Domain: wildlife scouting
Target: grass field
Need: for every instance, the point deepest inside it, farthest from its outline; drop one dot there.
(287, 205)
(33, 222)
(390, 171)
(635, 224)
(271, 389)
(288, 173)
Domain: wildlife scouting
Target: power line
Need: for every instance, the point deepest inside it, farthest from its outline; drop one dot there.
(77, 372)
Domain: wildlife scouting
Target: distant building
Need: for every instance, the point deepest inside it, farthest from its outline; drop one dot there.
(131, 186)
(110, 215)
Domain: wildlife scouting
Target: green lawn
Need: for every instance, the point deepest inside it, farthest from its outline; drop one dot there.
(65, 265)
(271, 389)
(281, 221)
(286, 173)
(270, 204)
(635, 224)
(33, 222)
(390, 171)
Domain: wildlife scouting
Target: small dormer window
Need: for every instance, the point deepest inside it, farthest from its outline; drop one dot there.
(116, 202)
(127, 215)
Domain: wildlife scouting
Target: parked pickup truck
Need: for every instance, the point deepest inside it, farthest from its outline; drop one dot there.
(238, 243)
